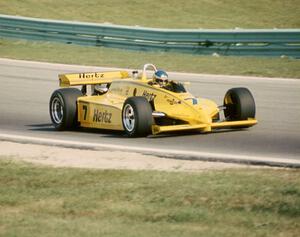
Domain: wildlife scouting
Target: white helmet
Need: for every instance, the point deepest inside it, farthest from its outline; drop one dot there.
(160, 77)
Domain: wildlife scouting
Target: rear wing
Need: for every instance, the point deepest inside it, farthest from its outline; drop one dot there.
(91, 78)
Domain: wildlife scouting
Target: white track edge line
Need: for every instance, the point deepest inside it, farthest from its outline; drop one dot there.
(155, 151)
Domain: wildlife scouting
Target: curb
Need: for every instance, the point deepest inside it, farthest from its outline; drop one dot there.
(163, 153)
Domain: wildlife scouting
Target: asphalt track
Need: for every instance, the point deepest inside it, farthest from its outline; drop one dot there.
(26, 88)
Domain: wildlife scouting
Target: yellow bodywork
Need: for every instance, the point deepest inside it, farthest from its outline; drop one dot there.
(105, 111)
(90, 78)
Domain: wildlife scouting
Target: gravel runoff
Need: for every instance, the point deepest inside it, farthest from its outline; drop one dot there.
(116, 160)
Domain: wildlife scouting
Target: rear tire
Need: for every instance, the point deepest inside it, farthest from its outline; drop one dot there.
(240, 104)
(63, 108)
(137, 116)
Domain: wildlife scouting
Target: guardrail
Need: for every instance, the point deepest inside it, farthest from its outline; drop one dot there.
(224, 42)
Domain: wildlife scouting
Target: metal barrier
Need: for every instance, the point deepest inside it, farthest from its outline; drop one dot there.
(224, 42)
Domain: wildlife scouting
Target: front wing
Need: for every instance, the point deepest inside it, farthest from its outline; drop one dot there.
(204, 127)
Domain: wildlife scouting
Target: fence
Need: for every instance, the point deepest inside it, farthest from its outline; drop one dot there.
(224, 42)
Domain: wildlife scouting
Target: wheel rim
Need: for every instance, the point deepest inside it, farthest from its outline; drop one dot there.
(57, 110)
(128, 118)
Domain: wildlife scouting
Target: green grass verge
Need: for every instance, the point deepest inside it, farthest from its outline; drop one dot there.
(40, 201)
(99, 56)
(167, 14)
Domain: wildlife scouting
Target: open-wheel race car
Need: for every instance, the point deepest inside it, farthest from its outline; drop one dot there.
(141, 106)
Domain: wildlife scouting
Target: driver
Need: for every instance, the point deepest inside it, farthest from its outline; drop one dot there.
(160, 77)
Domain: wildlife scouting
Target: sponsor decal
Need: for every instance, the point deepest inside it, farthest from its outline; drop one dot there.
(194, 100)
(149, 96)
(173, 101)
(92, 75)
(102, 116)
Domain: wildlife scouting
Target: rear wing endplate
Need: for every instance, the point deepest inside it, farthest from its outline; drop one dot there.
(91, 78)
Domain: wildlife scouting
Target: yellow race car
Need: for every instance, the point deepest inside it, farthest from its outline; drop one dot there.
(141, 105)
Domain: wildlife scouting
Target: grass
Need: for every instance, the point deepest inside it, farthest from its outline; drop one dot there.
(166, 14)
(41, 201)
(99, 56)
(154, 13)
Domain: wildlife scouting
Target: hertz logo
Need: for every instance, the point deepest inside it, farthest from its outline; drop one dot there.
(90, 75)
(102, 117)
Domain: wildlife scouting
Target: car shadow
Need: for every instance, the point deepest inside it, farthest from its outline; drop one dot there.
(193, 133)
(103, 132)
(48, 127)
(44, 127)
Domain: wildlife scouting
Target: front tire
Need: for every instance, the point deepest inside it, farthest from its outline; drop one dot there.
(63, 108)
(137, 116)
(240, 104)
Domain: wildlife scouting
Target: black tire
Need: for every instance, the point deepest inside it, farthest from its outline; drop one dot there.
(137, 116)
(63, 108)
(240, 104)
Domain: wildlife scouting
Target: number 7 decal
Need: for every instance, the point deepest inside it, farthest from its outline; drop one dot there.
(85, 108)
